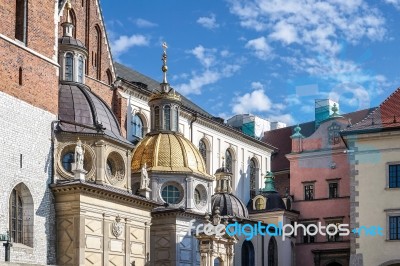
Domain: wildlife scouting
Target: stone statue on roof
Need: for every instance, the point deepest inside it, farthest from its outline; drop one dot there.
(79, 155)
(144, 178)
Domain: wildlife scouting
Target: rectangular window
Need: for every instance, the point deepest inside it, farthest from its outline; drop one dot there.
(333, 190)
(394, 176)
(309, 238)
(330, 231)
(308, 192)
(21, 20)
(394, 227)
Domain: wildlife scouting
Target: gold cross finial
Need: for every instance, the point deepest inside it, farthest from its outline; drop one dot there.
(164, 68)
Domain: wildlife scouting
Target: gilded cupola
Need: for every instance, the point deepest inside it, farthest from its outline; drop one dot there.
(164, 149)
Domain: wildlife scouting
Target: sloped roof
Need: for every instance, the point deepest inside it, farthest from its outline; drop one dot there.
(153, 86)
(280, 138)
(384, 117)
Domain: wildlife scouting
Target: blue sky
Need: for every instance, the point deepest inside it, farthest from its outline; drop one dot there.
(271, 58)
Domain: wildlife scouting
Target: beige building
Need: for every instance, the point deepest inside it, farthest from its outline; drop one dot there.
(374, 147)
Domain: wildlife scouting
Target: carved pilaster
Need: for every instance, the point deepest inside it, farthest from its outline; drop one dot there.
(100, 161)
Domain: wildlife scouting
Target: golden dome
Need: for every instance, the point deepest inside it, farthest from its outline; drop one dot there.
(168, 152)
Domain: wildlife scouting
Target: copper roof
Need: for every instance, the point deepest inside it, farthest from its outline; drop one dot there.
(82, 111)
(229, 205)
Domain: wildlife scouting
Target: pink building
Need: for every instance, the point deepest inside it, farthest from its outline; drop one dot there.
(319, 184)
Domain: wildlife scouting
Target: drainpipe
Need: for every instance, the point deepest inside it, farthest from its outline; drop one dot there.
(191, 126)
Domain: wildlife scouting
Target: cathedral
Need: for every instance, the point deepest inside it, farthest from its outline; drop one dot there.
(102, 165)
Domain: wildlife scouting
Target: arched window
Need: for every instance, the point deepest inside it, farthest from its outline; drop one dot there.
(252, 170)
(203, 151)
(21, 19)
(247, 253)
(272, 252)
(109, 77)
(21, 215)
(73, 22)
(97, 54)
(69, 67)
(175, 118)
(259, 204)
(157, 118)
(228, 160)
(137, 126)
(217, 262)
(80, 69)
(167, 117)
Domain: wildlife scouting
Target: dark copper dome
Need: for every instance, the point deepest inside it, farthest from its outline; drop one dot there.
(82, 111)
(229, 205)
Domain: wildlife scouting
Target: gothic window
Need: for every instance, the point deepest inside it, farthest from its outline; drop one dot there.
(272, 252)
(16, 217)
(21, 16)
(69, 67)
(157, 118)
(80, 69)
(228, 160)
(217, 262)
(167, 117)
(253, 173)
(73, 22)
(109, 77)
(137, 126)
(21, 215)
(97, 54)
(247, 253)
(203, 150)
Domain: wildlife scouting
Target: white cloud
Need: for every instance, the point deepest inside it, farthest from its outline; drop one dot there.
(260, 47)
(285, 118)
(255, 101)
(318, 26)
(396, 3)
(214, 69)
(204, 55)
(124, 43)
(284, 32)
(208, 22)
(142, 23)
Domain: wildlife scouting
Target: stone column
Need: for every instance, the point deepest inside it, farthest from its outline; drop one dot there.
(190, 193)
(100, 162)
(128, 171)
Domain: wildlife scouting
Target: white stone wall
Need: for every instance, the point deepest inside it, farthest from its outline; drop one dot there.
(26, 130)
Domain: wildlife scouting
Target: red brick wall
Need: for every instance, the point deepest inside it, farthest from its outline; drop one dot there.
(282, 182)
(40, 24)
(39, 77)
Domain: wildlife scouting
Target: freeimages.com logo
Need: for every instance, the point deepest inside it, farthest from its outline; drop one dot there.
(287, 230)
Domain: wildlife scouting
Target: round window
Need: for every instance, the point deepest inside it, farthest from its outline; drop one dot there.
(67, 161)
(115, 169)
(197, 197)
(109, 168)
(171, 194)
(200, 196)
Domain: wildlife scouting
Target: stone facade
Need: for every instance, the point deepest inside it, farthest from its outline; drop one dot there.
(26, 155)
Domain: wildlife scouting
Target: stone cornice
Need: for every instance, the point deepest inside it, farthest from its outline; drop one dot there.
(102, 192)
(316, 153)
(226, 130)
